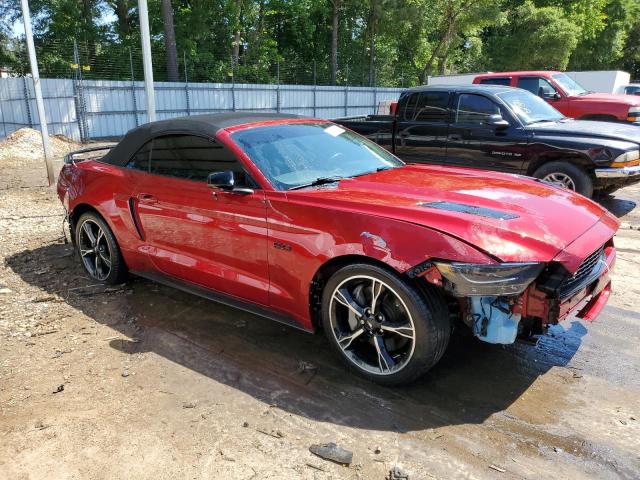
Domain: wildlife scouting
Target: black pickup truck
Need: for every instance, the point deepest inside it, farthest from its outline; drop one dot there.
(506, 129)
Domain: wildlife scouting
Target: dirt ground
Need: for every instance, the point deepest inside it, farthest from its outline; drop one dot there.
(142, 381)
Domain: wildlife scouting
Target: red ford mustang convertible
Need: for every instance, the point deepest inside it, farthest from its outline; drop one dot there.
(310, 224)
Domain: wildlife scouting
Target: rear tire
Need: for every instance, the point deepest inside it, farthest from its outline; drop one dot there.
(566, 175)
(98, 249)
(392, 333)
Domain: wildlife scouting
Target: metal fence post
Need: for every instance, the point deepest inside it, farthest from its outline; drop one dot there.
(233, 85)
(315, 89)
(186, 83)
(346, 93)
(375, 93)
(79, 95)
(278, 87)
(133, 89)
(26, 99)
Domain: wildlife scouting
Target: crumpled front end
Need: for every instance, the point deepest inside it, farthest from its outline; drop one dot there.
(503, 301)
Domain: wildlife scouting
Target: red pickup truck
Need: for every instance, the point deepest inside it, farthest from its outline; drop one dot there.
(568, 96)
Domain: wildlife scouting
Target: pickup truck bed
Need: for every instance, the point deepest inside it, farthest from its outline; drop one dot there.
(377, 128)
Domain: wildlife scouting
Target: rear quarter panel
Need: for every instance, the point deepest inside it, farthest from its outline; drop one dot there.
(107, 189)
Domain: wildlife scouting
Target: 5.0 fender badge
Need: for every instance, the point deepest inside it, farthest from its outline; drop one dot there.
(282, 246)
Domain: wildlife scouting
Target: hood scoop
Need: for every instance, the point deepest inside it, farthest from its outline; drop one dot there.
(469, 209)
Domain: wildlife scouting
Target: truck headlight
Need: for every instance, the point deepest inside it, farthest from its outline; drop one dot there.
(634, 114)
(627, 159)
(468, 279)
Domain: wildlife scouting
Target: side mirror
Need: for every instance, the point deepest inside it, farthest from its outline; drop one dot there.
(548, 93)
(496, 121)
(226, 181)
(222, 180)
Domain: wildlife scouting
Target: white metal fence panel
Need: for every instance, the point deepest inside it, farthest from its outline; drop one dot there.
(93, 109)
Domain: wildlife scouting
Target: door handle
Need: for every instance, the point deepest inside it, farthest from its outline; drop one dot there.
(147, 198)
(455, 137)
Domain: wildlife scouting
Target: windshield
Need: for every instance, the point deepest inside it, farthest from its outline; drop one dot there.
(529, 108)
(295, 155)
(569, 85)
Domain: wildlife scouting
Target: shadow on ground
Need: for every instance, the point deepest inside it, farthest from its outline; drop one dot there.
(263, 359)
(618, 206)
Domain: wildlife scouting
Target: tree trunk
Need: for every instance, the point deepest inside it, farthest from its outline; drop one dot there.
(372, 28)
(121, 9)
(171, 52)
(89, 30)
(335, 17)
(235, 48)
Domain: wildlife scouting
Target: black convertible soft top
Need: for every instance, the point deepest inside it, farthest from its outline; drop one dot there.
(201, 125)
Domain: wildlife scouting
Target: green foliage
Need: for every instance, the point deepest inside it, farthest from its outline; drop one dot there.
(533, 38)
(383, 42)
(605, 49)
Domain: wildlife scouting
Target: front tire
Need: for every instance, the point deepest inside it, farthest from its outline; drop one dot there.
(566, 175)
(382, 327)
(99, 250)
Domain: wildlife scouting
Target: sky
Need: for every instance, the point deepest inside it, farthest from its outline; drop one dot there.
(105, 18)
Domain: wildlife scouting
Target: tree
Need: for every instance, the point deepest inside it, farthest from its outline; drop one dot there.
(335, 23)
(121, 9)
(171, 52)
(604, 46)
(533, 38)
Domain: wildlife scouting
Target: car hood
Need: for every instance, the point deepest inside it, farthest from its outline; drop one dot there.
(588, 128)
(630, 100)
(509, 217)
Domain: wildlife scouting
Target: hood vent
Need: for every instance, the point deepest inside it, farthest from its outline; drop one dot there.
(469, 209)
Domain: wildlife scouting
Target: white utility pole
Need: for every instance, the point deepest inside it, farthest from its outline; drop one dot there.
(28, 33)
(143, 12)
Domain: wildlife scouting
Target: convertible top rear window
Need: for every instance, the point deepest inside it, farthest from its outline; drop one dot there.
(294, 155)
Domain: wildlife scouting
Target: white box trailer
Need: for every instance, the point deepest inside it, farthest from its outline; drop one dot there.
(603, 81)
(462, 79)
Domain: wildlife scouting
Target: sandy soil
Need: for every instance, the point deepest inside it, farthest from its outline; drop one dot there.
(142, 381)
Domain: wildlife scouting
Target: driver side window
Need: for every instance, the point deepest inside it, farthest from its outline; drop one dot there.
(475, 109)
(189, 157)
(536, 85)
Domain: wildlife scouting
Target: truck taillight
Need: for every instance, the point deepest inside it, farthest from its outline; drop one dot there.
(393, 107)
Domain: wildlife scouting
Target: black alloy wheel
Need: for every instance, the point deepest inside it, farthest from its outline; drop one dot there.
(382, 326)
(98, 249)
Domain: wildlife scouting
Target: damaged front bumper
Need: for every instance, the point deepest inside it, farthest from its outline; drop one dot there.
(496, 318)
(543, 305)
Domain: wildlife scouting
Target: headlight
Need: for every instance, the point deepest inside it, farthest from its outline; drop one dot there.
(468, 279)
(634, 114)
(627, 159)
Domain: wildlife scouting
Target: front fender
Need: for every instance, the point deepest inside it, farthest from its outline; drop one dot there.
(303, 237)
(592, 151)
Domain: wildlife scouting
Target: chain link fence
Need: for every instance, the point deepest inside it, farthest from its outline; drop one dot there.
(95, 91)
(113, 61)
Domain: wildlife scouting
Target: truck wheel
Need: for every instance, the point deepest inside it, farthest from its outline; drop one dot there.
(566, 175)
(381, 326)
